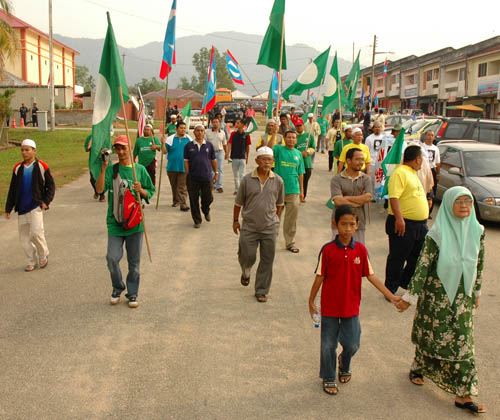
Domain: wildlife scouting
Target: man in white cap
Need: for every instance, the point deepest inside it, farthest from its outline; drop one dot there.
(357, 137)
(172, 127)
(312, 127)
(145, 148)
(32, 188)
(270, 137)
(260, 198)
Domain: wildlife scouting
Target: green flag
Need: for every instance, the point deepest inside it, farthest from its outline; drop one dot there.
(352, 84)
(252, 126)
(395, 109)
(393, 159)
(270, 49)
(270, 103)
(107, 99)
(311, 77)
(186, 114)
(334, 95)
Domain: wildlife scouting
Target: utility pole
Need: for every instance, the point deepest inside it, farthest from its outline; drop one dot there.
(372, 79)
(353, 53)
(52, 81)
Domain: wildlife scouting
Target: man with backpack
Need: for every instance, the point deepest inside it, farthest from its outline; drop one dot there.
(124, 217)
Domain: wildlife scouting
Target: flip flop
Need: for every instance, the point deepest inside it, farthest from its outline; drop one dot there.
(245, 281)
(471, 406)
(293, 249)
(29, 268)
(330, 385)
(261, 298)
(344, 377)
(45, 263)
(415, 375)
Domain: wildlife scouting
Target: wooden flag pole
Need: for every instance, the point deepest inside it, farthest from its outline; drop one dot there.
(161, 149)
(281, 63)
(133, 171)
(315, 109)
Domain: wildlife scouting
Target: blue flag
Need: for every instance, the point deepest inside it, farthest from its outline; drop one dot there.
(168, 59)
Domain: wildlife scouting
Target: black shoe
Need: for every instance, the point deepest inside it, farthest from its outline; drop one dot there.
(184, 208)
(197, 225)
(174, 205)
(220, 190)
(207, 217)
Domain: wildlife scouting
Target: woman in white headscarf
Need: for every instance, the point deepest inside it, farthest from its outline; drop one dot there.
(446, 288)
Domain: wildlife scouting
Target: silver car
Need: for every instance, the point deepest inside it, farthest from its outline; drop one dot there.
(475, 166)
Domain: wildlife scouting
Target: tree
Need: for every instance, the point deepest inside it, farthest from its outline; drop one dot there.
(5, 113)
(201, 61)
(83, 78)
(9, 42)
(146, 86)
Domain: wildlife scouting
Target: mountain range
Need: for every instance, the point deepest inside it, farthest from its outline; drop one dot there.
(144, 61)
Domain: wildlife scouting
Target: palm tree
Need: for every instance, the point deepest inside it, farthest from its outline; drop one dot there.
(9, 42)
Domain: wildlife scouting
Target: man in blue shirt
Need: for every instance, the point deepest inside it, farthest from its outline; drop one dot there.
(173, 146)
(200, 163)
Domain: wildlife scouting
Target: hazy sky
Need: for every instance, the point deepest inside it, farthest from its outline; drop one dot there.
(404, 27)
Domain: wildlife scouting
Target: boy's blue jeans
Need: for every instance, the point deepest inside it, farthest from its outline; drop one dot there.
(347, 331)
(133, 244)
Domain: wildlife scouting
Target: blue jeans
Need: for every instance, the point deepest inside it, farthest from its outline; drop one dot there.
(239, 166)
(220, 167)
(133, 244)
(347, 331)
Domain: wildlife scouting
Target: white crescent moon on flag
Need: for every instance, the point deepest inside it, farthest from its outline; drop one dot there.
(234, 73)
(309, 75)
(331, 86)
(102, 100)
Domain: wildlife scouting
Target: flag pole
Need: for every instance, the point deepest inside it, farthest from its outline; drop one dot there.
(243, 70)
(281, 63)
(164, 133)
(133, 171)
(315, 109)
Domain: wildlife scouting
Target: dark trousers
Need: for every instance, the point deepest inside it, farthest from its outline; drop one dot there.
(194, 187)
(151, 168)
(330, 160)
(403, 252)
(307, 175)
(347, 331)
(34, 120)
(92, 182)
(434, 189)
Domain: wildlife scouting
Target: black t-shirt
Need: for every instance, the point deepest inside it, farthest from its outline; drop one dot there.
(239, 143)
(367, 118)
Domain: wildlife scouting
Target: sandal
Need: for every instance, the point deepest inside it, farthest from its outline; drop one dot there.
(415, 375)
(471, 406)
(245, 281)
(261, 298)
(29, 268)
(332, 386)
(293, 249)
(44, 263)
(344, 377)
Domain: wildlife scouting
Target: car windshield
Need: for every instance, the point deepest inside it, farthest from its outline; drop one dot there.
(195, 113)
(408, 124)
(484, 163)
(418, 125)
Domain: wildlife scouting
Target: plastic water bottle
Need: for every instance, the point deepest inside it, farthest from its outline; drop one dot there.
(317, 315)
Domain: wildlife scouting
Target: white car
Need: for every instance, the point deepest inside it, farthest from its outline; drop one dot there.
(196, 118)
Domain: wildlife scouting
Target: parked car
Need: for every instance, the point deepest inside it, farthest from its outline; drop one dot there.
(392, 120)
(196, 118)
(476, 166)
(487, 131)
(259, 106)
(417, 130)
(233, 111)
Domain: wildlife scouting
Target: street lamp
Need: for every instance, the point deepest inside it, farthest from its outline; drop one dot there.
(372, 81)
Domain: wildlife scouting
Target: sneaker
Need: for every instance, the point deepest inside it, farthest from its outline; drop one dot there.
(197, 225)
(220, 190)
(207, 217)
(132, 302)
(115, 297)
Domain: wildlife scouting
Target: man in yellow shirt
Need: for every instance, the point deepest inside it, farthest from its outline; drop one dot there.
(357, 137)
(271, 137)
(406, 223)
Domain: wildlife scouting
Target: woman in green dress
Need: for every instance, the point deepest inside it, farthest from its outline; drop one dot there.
(446, 288)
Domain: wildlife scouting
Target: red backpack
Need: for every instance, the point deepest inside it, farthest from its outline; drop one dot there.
(126, 209)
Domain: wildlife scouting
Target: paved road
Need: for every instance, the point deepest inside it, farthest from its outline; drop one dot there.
(200, 346)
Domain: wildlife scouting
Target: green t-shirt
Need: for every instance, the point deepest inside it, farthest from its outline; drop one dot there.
(339, 146)
(126, 173)
(171, 129)
(302, 146)
(323, 123)
(142, 149)
(87, 141)
(289, 165)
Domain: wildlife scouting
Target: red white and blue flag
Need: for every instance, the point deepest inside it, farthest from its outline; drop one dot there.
(233, 69)
(385, 68)
(169, 44)
(209, 98)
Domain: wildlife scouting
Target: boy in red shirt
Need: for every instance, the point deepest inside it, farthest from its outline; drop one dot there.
(343, 263)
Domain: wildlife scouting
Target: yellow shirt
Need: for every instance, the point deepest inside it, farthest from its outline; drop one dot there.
(362, 147)
(405, 185)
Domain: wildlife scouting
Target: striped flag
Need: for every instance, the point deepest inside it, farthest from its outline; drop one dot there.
(385, 68)
(141, 119)
(169, 44)
(209, 98)
(233, 69)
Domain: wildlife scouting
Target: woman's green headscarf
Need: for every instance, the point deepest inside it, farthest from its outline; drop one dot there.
(458, 241)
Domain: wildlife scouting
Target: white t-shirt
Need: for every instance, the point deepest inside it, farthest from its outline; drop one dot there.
(432, 154)
(374, 143)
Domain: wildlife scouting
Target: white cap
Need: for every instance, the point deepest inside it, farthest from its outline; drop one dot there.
(356, 130)
(29, 142)
(270, 122)
(199, 125)
(264, 151)
(148, 125)
(310, 115)
(347, 127)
